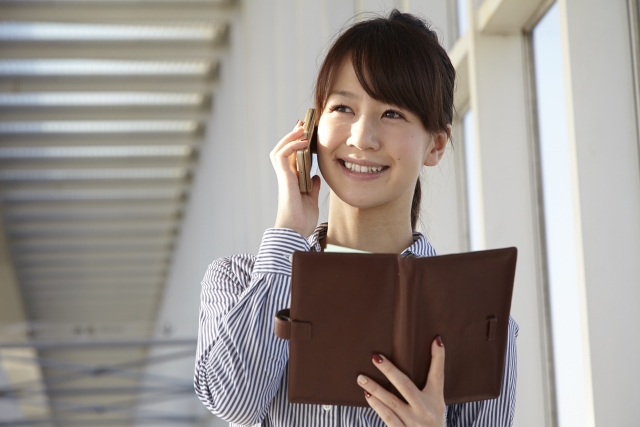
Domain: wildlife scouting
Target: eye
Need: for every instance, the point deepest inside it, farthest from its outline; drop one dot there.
(392, 114)
(341, 108)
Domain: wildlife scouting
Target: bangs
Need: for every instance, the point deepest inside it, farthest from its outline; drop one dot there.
(395, 63)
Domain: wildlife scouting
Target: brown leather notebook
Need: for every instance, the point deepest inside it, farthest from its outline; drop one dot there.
(344, 307)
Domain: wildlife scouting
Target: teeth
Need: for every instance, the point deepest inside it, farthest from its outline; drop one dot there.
(362, 169)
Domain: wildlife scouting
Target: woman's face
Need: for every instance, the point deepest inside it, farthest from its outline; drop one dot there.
(370, 153)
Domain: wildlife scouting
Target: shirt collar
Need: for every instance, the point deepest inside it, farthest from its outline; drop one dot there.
(420, 247)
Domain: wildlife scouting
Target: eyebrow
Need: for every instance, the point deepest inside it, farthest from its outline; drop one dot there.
(344, 93)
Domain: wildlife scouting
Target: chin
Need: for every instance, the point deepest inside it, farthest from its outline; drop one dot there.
(361, 199)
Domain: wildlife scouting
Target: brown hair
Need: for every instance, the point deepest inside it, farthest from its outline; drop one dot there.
(397, 60)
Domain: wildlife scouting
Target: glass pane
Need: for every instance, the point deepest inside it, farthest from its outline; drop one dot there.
(463, 24)
(472, 183)
(559, 222)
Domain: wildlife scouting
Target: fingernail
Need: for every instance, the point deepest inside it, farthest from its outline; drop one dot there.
(367, 394)
(377, 358)
(362, 379)
(439, 341)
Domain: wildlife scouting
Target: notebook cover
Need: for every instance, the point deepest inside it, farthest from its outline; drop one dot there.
(358, 304)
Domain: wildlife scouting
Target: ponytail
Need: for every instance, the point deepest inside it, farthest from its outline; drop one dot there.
(415, 205)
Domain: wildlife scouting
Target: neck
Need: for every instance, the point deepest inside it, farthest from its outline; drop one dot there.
(383, 229)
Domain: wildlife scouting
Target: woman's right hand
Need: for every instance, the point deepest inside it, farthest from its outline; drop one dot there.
(297, 211)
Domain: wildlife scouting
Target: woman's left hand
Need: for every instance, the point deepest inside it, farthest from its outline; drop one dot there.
(425, 407)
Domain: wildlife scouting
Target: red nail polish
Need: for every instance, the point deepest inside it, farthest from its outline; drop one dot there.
(377, 358)
(367, 394)
(439, 341)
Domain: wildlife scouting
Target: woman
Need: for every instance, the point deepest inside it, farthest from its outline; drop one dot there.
(385, 98)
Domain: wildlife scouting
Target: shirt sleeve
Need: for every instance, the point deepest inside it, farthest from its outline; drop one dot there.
(494, 412)
(239, 360)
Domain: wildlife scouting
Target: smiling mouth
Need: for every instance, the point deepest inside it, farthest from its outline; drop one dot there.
(362, 169)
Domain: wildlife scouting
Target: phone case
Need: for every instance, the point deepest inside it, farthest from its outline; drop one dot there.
(303, 157)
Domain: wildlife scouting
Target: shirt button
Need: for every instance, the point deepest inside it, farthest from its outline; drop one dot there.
(327, 407)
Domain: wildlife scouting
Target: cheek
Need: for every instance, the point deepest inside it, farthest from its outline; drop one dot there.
(328, 136)
(325, 141)
(410, 153)
(416, 148)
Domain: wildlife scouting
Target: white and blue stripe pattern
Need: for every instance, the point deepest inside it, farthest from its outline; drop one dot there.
(241, 366)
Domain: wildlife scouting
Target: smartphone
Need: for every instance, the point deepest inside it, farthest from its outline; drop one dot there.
(304, 157)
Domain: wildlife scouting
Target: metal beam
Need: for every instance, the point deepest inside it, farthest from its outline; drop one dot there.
(90, 189)
(94, 391)
(128, 49)
(83, 345)
(130, 297)
(90, 194)
(43, 243)
(130, 12)
(99, 370)
(172, 84)
(73, 305)
(82, 210)
(94, 162)
(169, 419)
(45, 228)
(81, 271)
(93, 313)
(189, 140)
(111, 297)
(111, 309)
(72, 241)
(104, 258)
(112, 128)
(61, 392)
(27, 387)
(95, 282)
(36, 114)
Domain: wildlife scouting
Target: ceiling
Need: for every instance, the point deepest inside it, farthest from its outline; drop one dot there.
(103, 105)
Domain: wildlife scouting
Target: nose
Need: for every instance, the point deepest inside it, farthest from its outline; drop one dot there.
(364, 135)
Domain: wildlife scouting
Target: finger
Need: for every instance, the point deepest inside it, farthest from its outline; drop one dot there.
(285, 158)
(389, 417)
(295, 134)
(390, 400)
(435, 380)
(291, 136)
(400, 381)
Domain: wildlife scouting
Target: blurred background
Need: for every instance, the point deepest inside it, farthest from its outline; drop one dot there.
(134, 142)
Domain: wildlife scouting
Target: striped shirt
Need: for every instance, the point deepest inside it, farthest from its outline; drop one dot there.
(241, 366)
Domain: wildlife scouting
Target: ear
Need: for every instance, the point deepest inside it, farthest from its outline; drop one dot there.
(437, 147)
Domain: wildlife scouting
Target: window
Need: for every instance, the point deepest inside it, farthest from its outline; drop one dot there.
(462, 16)
(472, 181)
(559, 223)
